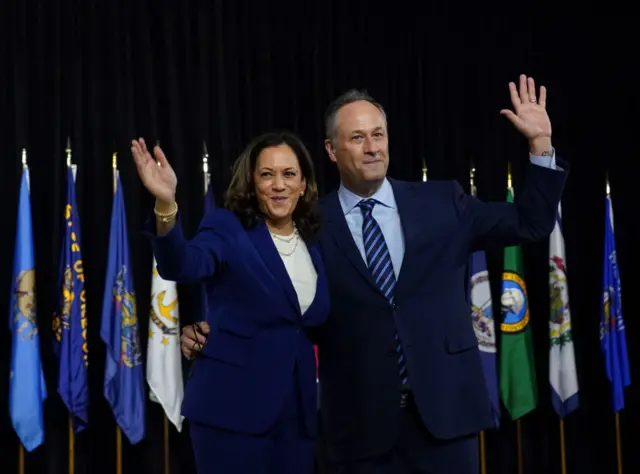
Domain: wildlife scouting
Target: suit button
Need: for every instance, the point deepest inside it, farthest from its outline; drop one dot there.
(395, 306)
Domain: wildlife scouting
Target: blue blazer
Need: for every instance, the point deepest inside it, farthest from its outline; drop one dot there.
(359, 380)
(258, 338)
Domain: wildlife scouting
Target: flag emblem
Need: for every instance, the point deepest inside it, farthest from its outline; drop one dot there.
(481, 312)
(25, 322)
(130, 353)
(514, 302)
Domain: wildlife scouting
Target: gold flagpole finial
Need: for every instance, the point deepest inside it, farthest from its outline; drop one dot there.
(424, 170)
(68, 152)
(509, 174)
(24, 157)
(114, 161)
(608, 187)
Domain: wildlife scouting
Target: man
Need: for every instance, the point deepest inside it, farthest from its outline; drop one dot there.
(402, 389)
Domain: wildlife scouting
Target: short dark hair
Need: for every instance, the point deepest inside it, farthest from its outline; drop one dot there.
(241, 199)
(352, 95)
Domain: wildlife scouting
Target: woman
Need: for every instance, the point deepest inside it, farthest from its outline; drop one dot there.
(251, 395)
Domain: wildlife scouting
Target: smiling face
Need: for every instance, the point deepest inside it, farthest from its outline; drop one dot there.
(279, 184)
(360, 147)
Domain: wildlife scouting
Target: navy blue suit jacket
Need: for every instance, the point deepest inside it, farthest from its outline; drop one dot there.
(358, 369)
(246, 369)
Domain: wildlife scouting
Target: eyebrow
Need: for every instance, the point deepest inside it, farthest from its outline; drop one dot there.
(289, 168)
(379, 127)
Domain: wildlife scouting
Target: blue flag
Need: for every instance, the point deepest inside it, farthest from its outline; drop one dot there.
(612, 332)
(27, 388)
(209, 205)
(484, 327)
(123, 376)
(70, 319)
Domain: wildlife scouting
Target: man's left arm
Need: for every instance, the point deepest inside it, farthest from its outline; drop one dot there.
(532, 215)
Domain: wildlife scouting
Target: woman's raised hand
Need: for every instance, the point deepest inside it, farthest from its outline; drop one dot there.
(156, 173)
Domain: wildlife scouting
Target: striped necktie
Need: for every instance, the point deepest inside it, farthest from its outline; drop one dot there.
(379, 263)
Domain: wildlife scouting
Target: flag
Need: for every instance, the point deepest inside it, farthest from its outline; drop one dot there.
(123, 379)
(612, 332)
(209, 205)
(563, 377)
(70, 318)
(27, 388)
(484, 327)
(164, 365)
(517, 369)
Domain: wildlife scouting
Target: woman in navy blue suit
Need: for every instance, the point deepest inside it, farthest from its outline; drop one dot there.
(251, 395)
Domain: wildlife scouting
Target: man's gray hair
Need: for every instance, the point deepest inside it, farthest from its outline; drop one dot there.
(353, 95)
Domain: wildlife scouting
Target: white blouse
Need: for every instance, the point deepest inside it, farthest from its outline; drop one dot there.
(297, 261)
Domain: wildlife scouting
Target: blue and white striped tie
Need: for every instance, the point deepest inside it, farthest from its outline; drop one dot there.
(379, 262)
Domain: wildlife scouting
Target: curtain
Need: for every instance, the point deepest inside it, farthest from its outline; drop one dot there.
(190, 74)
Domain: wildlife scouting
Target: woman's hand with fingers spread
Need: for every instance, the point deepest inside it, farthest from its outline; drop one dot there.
(155, 172)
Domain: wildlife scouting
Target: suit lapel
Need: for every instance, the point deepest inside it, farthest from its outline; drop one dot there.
(263, 243)
(337, 227)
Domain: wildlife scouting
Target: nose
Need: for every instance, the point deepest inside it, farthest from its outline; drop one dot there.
(278, 183)
(370, 146)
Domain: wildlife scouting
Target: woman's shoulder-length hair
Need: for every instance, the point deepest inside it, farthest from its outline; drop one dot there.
(241, 199)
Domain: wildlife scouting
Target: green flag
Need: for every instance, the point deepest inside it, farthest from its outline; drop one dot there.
(517, 368)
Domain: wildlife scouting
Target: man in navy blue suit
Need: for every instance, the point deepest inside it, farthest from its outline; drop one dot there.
(402, 389)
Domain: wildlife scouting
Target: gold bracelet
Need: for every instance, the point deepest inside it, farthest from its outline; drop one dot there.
(168, 217)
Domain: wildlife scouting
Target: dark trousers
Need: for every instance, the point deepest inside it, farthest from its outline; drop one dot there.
(284, 450)
(417, 452)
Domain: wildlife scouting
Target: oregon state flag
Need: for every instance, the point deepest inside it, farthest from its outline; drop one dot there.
(70, 318)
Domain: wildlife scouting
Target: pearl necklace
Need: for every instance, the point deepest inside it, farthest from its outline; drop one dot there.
(287, 240)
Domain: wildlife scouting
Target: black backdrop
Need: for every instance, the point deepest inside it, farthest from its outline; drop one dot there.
(221, 72)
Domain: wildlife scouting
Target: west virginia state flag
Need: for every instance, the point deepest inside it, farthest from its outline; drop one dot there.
(123, 379)
(164, 365)
(27, 389)
(70, 319)
(563, 376)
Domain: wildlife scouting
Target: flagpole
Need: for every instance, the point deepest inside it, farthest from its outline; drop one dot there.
(114, 164)
(72, 467)
(166, 444)
(205, 167)
(483, 449)
(618, 445)
(563, 454)
(518, 424)
(21, 459)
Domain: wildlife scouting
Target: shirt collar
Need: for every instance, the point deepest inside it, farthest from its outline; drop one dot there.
(349, 200)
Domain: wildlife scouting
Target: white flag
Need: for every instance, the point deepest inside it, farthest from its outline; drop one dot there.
(164, 369)
(562, 365)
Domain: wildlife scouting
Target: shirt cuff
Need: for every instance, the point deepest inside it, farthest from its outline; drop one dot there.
(545, 161)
